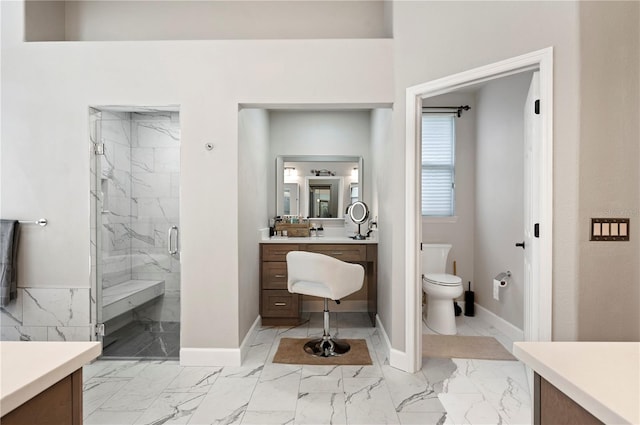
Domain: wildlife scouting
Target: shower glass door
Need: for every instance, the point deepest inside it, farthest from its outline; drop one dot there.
(136, 230)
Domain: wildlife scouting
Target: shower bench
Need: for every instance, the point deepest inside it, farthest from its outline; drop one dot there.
(126, 296)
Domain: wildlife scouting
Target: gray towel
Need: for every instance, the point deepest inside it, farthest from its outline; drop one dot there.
(9, 234)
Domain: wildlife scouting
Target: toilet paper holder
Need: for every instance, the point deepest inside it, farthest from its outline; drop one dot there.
(501, 277)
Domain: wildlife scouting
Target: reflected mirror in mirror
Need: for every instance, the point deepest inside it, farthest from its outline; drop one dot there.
(291, 199)
(325, 185)
(325, 195)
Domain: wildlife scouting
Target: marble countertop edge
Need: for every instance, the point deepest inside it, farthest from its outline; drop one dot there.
(317, 240)
(27, 371)
(558, 368)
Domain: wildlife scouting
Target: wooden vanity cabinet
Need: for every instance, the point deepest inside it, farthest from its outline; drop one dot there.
(552, 406)
(59, 404)
(279, 307)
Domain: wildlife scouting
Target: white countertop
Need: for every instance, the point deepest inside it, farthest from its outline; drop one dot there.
(602, 377)
(317, 239)
(27, 368)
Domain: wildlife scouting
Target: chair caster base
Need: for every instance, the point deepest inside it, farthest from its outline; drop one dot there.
(326, 347)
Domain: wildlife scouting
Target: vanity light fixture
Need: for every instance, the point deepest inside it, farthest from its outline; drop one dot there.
(323, 172)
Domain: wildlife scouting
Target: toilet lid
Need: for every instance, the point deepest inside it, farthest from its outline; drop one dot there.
(443, 279)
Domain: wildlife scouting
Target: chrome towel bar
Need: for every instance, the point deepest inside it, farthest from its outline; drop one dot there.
(42, 222)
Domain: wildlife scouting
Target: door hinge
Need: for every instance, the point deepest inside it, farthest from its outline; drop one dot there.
(536, 230)
(536, 106)
(98, 148)
(99, 330)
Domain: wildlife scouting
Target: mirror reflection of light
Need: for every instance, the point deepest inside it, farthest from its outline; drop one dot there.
(354, 174)
(290, 174)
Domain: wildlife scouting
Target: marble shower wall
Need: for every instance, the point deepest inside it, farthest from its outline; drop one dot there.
(115, 188)
(47, 314)
(140, 179)
(155, 186)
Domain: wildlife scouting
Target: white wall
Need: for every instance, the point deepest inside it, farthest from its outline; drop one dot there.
(46, 91)
(460, 234)
(253, 150)
(499, 218)
(346, 133)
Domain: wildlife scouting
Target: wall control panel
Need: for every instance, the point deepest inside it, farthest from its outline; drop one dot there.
(609, 229)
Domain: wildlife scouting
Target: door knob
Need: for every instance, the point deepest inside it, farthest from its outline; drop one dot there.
(521, 244)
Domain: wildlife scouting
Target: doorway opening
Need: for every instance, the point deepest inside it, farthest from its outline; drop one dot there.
(135, 172)
(537, 286)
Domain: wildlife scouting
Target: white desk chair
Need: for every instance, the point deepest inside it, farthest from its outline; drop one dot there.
(319, 275)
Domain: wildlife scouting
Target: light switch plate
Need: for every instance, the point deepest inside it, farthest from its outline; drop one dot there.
(609, 229)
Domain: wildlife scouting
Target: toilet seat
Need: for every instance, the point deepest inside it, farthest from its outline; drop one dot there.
(443, 279)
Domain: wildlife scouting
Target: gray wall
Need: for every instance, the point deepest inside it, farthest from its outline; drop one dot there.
(103, 20)
(499, 219)
(381, 185)
(482, 33)
(609, 154)
(595, 77)
(253, 149)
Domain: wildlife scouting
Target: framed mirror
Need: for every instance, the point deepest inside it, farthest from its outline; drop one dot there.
(326, 184)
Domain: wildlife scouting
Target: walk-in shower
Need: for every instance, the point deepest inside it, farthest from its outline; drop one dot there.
(135, 230)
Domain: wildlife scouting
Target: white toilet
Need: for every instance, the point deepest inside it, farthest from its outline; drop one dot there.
(441, 288)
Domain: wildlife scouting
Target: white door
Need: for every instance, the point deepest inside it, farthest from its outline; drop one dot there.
(532, 131)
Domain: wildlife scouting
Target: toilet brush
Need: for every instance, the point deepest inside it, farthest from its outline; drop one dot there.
(469, 309)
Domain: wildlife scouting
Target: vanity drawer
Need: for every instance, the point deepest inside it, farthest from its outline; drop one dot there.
(280, 303)
(277, 252)
(274, 275)
(344, 252)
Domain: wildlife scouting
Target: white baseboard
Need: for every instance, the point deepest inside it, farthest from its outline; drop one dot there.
(218, 356)
(512, 332)
(397, 358)
(246, 342)
(210, 357)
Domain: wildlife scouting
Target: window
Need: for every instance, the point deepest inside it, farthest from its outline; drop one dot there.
(438, 165)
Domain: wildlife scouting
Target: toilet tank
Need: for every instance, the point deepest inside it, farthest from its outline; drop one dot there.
(434, 257)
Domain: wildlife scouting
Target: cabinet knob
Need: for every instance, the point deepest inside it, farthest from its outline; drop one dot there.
(280, 304)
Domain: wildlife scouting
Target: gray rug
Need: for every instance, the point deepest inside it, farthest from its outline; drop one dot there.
(464, 347)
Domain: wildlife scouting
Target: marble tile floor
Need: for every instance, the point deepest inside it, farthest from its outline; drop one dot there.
(144, 340)
(444, 391)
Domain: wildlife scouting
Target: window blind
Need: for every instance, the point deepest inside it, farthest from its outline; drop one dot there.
(438, 165)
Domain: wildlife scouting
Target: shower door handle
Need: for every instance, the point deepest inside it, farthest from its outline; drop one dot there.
(172, 250)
